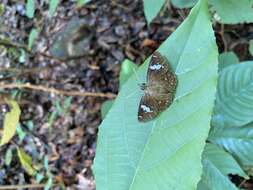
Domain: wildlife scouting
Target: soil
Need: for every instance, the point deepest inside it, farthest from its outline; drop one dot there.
(67, 136)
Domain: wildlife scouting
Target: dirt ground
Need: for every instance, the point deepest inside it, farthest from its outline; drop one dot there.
(119, 31)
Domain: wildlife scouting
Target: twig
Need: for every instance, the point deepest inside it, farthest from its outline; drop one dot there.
(28, 186)
(15, 45)
(242, 183)
(114, 2)
(57, 91)
(23, 71)
(25, 48)
(240, 41)
(223, 37)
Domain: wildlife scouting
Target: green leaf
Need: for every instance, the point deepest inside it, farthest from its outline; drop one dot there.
(164, 153)
(22, 56)
(106, 106)
(11, 121)
(49, 184)
(30, 125)
(59, 108)
(82, 2)
(30, 8)
(39, 177)
(67, 103)
(227, 59)
(223, 160)
(8, 157)
(26, 162)
(236, 140)
(52, 118)
(234, 99)
(53, 4)
(251, 47)
(233, 11)
(2, 8)
(127, 69)
(46, 163)
(32, 36)
(20, 132)
(152, 8)
(217, 164)
(183, 3)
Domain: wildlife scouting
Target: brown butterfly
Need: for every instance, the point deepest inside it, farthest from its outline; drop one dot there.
(159, 90)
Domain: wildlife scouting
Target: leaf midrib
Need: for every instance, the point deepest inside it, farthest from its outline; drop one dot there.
(154, 124)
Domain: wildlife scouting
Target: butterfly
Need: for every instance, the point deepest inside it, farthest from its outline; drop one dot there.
(159, 90)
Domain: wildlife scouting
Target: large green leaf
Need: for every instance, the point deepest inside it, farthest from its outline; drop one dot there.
(183, 3)
(164, 153)
(234, 101)
(233, 11)
(152, 8)
(236, 140)
(217, 164)
(226, 59)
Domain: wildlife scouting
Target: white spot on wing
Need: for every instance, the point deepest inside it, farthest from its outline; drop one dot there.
(156, 66)
(146, 109)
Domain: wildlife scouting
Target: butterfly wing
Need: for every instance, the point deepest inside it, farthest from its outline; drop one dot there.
(164, 101)
(151, 106)
(160, 75)
(147, 108)
(158, 66)
(160, 90)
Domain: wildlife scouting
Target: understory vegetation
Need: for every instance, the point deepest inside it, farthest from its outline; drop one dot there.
(69, 83)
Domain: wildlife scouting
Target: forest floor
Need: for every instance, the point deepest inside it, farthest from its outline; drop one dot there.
(65, 127)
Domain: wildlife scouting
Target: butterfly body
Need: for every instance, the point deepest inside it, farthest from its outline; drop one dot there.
(159, 90)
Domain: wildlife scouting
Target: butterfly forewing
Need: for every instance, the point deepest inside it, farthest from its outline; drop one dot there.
(160, 88)
(158, 66)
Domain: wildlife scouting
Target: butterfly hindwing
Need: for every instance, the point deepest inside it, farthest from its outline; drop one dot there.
(147, 108)
(164, 101)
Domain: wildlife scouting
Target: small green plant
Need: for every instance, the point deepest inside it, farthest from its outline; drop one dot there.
(197, 142)
(12, 126)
